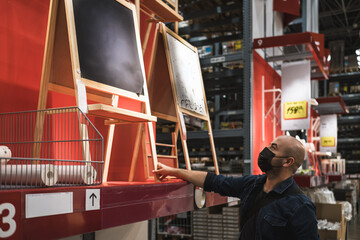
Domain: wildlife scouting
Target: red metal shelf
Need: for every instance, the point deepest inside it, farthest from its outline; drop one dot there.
(310, 181)
(295, 47)
(336, 178)
(120, 203)
(331, 105)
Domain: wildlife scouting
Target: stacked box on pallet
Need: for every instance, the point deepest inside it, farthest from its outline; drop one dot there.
(200, 224)
(215, 227)
(231, 223)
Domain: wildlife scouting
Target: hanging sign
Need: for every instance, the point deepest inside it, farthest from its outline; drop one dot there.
(295, 95)
(287, 6)
(328, 133)
(295, 110)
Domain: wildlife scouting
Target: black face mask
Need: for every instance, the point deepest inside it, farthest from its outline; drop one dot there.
(264, 159)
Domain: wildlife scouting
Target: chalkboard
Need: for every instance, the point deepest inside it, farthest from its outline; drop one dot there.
(107, 45)
(187, 76)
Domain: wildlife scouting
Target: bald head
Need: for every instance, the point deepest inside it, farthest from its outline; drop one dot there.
(291, 147)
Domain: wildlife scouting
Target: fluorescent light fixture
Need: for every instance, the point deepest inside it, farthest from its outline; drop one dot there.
(357, 51)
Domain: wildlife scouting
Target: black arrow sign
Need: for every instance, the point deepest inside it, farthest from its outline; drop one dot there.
(93, 196)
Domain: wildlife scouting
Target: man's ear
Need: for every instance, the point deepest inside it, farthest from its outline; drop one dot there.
(289, 162)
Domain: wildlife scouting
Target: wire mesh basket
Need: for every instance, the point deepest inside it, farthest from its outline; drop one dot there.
(175, 225)
(49, 148)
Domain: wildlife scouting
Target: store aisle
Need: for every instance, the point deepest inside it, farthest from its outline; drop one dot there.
(354, 228)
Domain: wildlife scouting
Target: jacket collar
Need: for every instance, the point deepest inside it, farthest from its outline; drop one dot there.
(284, 185)
(280, 188)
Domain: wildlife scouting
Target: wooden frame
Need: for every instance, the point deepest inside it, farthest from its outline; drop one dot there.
(61, 64)
(162, 79)
(166, 12)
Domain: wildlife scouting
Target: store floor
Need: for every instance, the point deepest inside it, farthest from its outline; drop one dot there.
(353, 231)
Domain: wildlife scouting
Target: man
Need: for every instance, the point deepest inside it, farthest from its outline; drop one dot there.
(272, 205)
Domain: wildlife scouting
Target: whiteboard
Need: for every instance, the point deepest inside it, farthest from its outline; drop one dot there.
(187, 76)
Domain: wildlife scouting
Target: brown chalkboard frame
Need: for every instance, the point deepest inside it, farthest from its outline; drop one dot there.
(61, 73)
(75, 54)
(167, 107)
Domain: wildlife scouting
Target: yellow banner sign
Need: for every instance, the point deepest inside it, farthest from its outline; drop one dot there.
(328, 141)
(295, 110)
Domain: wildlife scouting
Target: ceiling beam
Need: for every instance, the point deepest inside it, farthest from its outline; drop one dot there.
(341, 32)
(337, 12)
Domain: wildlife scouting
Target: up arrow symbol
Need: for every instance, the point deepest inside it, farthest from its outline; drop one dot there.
(93, 196)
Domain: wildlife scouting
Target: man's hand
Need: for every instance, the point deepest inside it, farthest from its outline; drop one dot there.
(195, 177)
(164, 171)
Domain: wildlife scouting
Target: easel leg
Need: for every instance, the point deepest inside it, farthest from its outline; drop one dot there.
(39, 128)
(185, 149)
(152, 144)
(84, 135)
(174, 136)
(145, 155)
(186, 154)
(109, 142)
(45, 76)
(139, 134)
(213, 147)
(147, 34)
(137, 7)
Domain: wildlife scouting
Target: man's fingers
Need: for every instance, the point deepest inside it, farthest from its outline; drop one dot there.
(162, 177)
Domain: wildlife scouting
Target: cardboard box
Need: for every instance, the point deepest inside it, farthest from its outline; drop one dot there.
(334, 88)
(200, 238)
(333, 213)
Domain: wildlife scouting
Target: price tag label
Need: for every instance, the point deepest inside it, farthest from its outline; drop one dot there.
(328, 141)
(295, 110)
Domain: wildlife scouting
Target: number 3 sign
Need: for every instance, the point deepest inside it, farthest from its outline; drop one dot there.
(8, 226)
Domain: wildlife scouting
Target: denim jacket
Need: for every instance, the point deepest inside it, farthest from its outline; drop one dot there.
(291, 217)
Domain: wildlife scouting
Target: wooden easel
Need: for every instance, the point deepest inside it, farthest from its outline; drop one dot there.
(61, 73)
(163, 93)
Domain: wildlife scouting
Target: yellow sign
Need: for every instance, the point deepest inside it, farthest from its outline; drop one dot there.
(295, 110)
(328, 141)
(238, 45)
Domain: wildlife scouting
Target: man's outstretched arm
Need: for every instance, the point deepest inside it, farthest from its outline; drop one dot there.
(195, 177)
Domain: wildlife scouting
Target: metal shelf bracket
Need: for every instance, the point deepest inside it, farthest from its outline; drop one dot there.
(276, 92)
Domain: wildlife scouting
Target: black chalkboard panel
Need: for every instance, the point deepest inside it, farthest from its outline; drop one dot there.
(107, 45)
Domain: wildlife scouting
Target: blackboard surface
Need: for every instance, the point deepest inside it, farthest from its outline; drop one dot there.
(107, 46)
